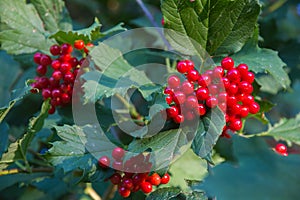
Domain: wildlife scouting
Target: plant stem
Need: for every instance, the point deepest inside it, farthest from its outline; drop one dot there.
(91, 192)
(110, 192)
(33, 170)
(153, 22)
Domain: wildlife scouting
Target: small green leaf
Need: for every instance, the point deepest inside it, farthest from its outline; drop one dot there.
(164, 193)
(89, 34)
(261, 60)
(208, 132)
(219, 27)
(17, 150)
(285, 129)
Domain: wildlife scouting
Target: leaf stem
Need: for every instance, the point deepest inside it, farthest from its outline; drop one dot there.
(91, 192)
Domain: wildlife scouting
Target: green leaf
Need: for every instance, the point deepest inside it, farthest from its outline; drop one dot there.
(79, 148)
(116, 76)
(17, 150)
(89, 34)
(259, 174)
(219, 27)
(3, 137)
(285, 129)
(24, 31)
(164, 193)
(54, 15)
(208, 132)
(261, 60)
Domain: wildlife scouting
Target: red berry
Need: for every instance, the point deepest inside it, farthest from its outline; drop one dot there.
(57, 75)
(139, 178)
(254, 108)
(226, 82)
(201, 109)
(127, 183)
(65, 58)
(172, 111)
(211, 102)
(193, 75)
(73, 62)
(68, 77)
(248, 77)
(117, 165)
(173, 81)
(146, 187)
(56, 93)
(53, 82)
(179, 97)
(234, 76)
(79, 44)
(168, 90)
(37, 58)
(41, 70)
(179, 119)
(218, 72)
(187, 87)
(244, 111)
(124, 192)
(232, 89)
(204, 80)
(169, 99)
(222, 97)
(104, 162)
(281, 148)
(65, 98)
(213, 89)
(51, 110)
(191, 102)
(182, 67)
(243, 69)
(55, 64)
(45, 60)
(235, 109)
(154, 179)
(86, 50)
(190, 65)
(115, 178)
(55, 50)
(65, 67)
(165, 179)
(66, 49)
(227, 63)
(235, 124)
(245, 87)
(247, 100)
(202, 93)
(46, 93)
(231, 100)
(118, 153)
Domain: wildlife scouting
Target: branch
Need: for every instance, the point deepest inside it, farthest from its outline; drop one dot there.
(110, 192)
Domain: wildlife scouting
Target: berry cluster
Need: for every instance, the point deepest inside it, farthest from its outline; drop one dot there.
(128, 176)
(281, 149)
(56, 76)
(225, 86)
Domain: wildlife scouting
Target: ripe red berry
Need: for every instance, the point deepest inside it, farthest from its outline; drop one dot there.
(173, 81)
(165, 179)
(211, 102)
(187, 87)
(190, 65)
(226, 82)
(231, 100)
(213, 89)
(46, 93)
(234, 76)
(56, 93)
(247, 100)
(172, 111)
(68, 77)
(55, 64)
(202, 93)
(37, 58)
(254, 108)
(179, 97)
(244, 111)
(117, 165)
(73, 62)
(169, 99)
(179, 119)
(281, 149)
(127, 183)
(235, 109)
(222, 97)
(191, 102)
(124, 192)
(79, 44)
(242, 68)
(51, 110)
(118, 153)
(45, 60)
(139, 178)
(65, 98)
(168, 90)
(204, 80)
(66, 49)
(248, 77)
(55, 50)
(227, 63)
(235, 124)
(57, 75)
(182, 67)
(154, 179)
(218, 72)
(41, 70)
(232, 89)
(115, 178)
(146, 187)
(65, 67)
(193, 75)
(245, 87)
(201, 109)
(104, 162)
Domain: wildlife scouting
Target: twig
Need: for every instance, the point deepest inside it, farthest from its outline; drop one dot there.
(110, 192)
(153, 22)
(33, 170)
(92, 193)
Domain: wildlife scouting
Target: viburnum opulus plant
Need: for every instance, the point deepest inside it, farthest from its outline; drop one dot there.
(181, 101)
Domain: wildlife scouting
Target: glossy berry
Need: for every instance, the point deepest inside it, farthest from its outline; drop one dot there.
(254, 108)
(201, 109)
(55, 64)
(193, 75)
(204, 80)
(248, 77)
(146, 187)
(116, 178)
(187, 87)
(66, 48)
(173, 111)
(55, 50)
(173, 81)
(211, 102)
(118, 153)
(202, 93)
(41, 70)
(191, 102)
(127, 183)
(243, 69)
(79, 44)
(37, 58)
(234, 76)
(281, 148)
(179, 119)
(57, 75)
(104, 162)
(165, 179)
(154, 179)
(117, 165)
(245, 87)
(179, 97)
(182, 67)
(236, 124)
(169, 99)
(227, 63)
(124, 192)
(65, 98)
(45, 60)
